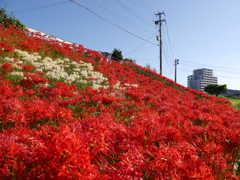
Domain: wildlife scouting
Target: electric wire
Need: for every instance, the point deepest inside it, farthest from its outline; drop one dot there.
(168, 53)
(131, 25)
(168, 39)
(143, 49)
(184, 68)
(170, 72)
(143, 6)
(135, 50)
(41, 7)
(131, 11)
(80, 5)
(215, 69)
(164, 52)
(171, 46)
(175, 51)
(127, 20)
(227, 77)
(119, 16)
(207, 65)
(149, 59)
(146, 6)
(215, 74)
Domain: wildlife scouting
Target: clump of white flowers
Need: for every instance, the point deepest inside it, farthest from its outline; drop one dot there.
(18, 73)
(64, 70)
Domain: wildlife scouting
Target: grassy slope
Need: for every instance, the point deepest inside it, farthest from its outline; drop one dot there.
(235, 101)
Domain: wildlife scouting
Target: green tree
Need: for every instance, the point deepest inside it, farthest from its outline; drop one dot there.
(117, 54)
(215, 89)
(149, 67)
(6, 19)
(130, 60)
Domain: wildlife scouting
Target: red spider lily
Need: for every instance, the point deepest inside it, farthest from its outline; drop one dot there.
(7, 91)
(40, 73)
(5, 47)
(138, 128)
(32, 79)
(60, 152)
(91, 79)
(27, 68)
(7, 67)
(91, 110)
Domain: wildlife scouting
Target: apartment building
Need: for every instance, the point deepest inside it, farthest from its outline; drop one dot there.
(201, 78)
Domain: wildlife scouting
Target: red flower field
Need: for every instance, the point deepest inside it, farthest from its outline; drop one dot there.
(67, 112)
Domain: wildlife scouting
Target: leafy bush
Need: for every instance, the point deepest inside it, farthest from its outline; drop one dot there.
(7, 20)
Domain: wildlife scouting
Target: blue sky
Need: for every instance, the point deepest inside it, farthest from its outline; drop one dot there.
(201, 34)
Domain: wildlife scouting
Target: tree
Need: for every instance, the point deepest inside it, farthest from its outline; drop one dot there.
(117, 54)
(149, 67)
(130, 60)
(6, 19)
(215, 89)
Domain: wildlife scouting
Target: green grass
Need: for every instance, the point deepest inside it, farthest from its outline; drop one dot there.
(235, 103)
(235, 100)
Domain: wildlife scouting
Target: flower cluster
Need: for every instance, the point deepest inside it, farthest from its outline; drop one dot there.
(120, 124)
(58, 69)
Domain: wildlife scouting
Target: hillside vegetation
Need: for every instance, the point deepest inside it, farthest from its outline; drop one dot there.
(67, 112)
(235, 101)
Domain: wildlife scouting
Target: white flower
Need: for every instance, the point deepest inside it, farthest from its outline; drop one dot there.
(60, 68)
(17, 73)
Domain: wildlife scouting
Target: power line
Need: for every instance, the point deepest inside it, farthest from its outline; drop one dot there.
(215, 74)
(168, 40)
(140, 46)
(185, 70)
(119, 16)
(165, 55)
(149, 59)
(137, 50)
(41, 7)
(167, 50)
(143, 6)
(172, 46)
(146, 48)
(227, 77)
(131, 11)
(189, 62)
(170, 72)
(230, 70)
(127, 22)
(111, 22)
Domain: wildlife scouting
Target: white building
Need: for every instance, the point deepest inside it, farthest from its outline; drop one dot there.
(201, 78)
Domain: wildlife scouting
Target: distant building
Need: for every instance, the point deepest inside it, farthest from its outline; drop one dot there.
(201, 78)
(231, 92)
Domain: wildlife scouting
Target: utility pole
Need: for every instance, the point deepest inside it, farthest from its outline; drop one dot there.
(159, 38)
(176, 63)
